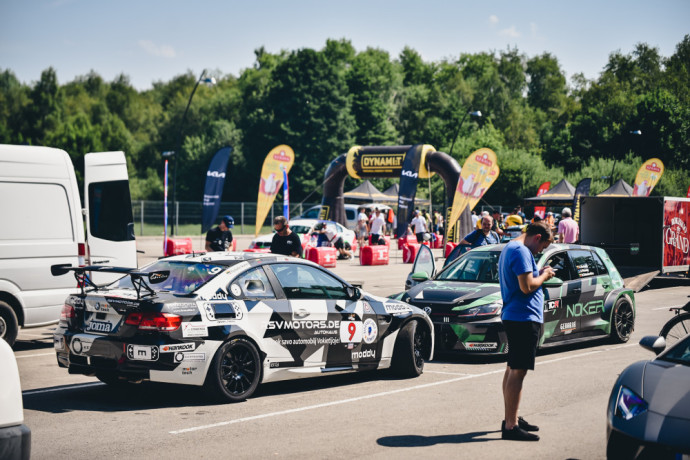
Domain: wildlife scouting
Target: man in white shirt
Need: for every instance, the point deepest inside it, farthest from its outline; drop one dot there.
(376, 226)
(419, 226)
(362, 227)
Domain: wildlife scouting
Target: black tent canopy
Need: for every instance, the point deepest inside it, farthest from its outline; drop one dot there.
(619, 188)
(563, 192)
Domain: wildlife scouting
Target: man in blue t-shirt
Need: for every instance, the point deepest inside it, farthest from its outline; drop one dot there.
(522, 316)
(482, 236)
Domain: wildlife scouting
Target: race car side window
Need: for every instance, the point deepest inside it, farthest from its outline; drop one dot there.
(561, 265)
(583, 263)
(304, 282)
(601, 268)
(254, 284)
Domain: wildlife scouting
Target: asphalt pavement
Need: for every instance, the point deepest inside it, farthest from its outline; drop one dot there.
(453, 410)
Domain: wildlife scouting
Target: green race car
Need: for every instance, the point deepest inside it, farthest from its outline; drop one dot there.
(586, 300)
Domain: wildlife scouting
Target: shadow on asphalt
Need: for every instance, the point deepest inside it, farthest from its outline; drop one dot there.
(150, 395)
(34, 344)
(412, 440)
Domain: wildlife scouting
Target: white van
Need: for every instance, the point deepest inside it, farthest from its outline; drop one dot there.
(42, 224)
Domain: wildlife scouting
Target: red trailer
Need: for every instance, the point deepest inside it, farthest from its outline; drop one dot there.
(644, 236)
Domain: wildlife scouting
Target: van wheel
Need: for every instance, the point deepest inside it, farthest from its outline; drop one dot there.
(9, 326)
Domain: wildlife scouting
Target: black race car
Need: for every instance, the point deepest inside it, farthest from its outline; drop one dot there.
(586, 300)
(232, 320)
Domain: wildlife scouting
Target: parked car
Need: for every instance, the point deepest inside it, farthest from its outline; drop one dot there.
(15, 437)
(230, 321)
(586, 300)
(351, 212)
(305, 229)
(648, 414)
(43, 223)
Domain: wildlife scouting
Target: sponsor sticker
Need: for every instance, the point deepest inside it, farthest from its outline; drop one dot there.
(189, 370)
(142, 352)
(179, 357)
(126, 303)
(568, 327)
(364, 354)
(178, 347)
(219, 295)
(81, 344)
(182, 308)
(371, 330)
(351, 331)
(367, 308)
(397, 308)
(236, 290)
(98, 326)
(100, 306)
(551, 305)
(59, 343)
(194, 330)
(481, 346)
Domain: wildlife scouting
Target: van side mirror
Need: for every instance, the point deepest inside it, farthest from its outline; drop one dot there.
(653, 343)
(553, 282)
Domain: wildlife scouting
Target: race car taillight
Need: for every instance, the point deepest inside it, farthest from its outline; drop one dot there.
(67, 312)
(151, 321)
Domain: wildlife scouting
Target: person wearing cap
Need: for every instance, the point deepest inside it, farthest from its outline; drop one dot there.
(219, 238)
(285, 241)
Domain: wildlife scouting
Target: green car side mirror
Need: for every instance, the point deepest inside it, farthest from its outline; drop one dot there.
(420, 276)
(553, 282)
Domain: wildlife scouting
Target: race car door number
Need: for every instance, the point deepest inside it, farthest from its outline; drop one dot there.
(142, 352)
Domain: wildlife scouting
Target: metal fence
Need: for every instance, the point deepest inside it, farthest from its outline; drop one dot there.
(188, 212)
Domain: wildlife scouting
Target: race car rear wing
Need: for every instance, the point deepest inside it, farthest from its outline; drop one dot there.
(81, 274)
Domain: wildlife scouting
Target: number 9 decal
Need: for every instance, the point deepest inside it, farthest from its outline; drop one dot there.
(214, 270)
(351, 331)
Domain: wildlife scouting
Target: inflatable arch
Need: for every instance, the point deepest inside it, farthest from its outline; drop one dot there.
(409, 163)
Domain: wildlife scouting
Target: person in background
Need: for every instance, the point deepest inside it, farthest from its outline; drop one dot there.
(285, 241)
(219, 238)
(498, 223)
(376, 225)
(483, 236)
(419, 226)
(522, 317)
(568, 230)
(329, 237)
(513, 219)
(479, 222)
(475, 219)
(550, 221)
(362, 227)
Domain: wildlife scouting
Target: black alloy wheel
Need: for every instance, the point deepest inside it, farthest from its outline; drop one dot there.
(235, 371)
(623, 321)
(408, 354)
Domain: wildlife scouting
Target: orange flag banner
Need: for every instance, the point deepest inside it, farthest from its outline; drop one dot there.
(278, 159)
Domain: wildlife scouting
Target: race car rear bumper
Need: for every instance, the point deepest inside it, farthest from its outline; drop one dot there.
(477, 337)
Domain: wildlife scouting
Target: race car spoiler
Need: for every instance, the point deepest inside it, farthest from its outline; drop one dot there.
(84, 280)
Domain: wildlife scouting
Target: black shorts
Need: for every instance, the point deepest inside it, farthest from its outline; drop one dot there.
(523, 337)
(338, 243)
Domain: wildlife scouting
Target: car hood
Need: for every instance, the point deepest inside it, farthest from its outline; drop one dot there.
(456, 293)
(666, 390)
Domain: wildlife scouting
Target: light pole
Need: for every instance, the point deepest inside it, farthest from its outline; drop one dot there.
(636, 132)
(210, 81)
(476, 113)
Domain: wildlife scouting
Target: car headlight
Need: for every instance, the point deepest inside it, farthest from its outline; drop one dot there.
(490, 309)
(629, 404)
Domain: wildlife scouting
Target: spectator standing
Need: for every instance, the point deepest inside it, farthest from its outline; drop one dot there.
(522, 316)
(568, 230)
(483, 236)
(479, 222)
(285, 241)
(219, 238)
(362, 227)
(497, 226)
(475, 219)
(550, 221)
(377, 223)
(419, 226)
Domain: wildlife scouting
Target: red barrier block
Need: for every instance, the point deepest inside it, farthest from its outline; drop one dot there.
(409, 239)
(263, 250)
(177, 246)
(438, 242)
(449, 249)
(410, 252)
(324, 256)
(374, 255)
(234, 245)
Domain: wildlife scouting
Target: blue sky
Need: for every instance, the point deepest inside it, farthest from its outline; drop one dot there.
(154, 40)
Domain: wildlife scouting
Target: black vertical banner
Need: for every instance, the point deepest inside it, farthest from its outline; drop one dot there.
(408, 187)
(213, 190)
(582, 189)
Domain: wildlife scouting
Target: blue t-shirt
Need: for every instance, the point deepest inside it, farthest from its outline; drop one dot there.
(477, 238)
(515, 260)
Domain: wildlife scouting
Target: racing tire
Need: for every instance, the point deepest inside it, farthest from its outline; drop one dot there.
(622, 321)
(235, 371)
(408, 354)
(9, 326)
(675, 329)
